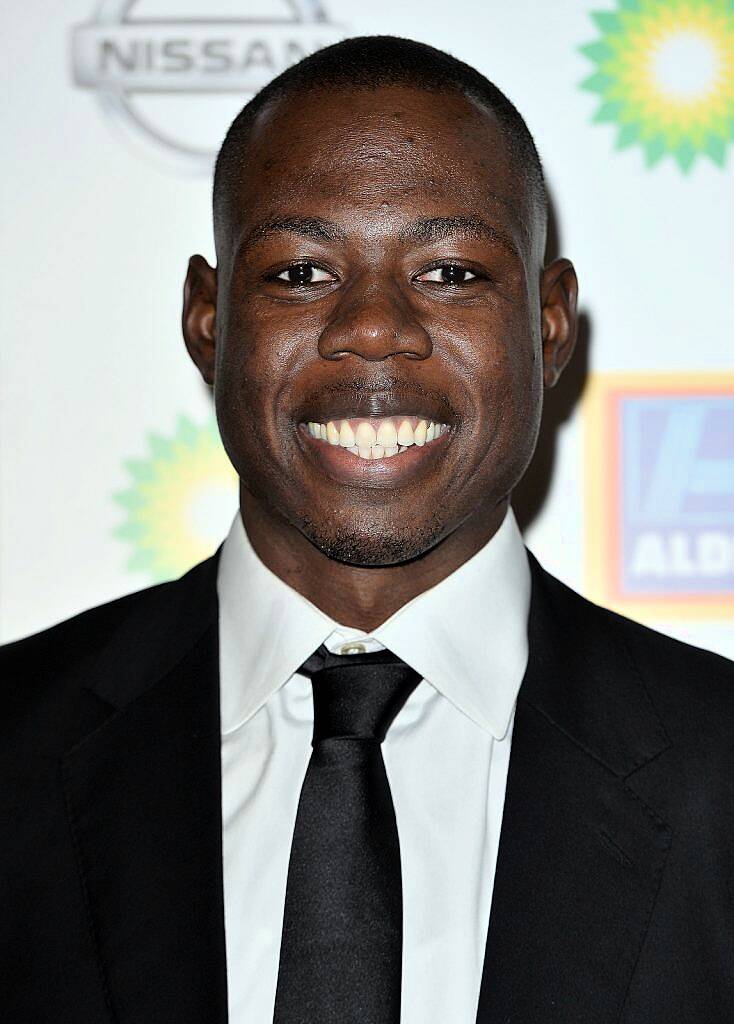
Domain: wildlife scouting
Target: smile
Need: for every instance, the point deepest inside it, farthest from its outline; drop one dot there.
(378, 437)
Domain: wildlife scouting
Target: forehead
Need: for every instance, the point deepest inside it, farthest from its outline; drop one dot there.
(378, 155)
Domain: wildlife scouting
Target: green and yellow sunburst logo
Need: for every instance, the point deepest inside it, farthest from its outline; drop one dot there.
(180, 501)
(665, 75)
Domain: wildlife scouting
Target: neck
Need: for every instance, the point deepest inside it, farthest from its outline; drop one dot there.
(355, 595)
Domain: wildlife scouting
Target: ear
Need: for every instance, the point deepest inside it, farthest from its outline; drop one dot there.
(558, 295)
(199, 315)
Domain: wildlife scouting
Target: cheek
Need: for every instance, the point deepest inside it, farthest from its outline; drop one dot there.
(248, 384)
(520, 405)
(504, 380)
(255, 364)
(496, 360)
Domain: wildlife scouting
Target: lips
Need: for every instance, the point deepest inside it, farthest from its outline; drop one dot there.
(373, 465)
(374, 432)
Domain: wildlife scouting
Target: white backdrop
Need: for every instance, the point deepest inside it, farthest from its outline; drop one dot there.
(111, 476)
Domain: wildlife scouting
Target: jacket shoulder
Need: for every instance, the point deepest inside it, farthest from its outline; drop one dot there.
(44, 671)
(58, 658)
(689, 687)
(71, 642)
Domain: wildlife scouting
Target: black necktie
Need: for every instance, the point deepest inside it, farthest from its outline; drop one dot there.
(341, 949)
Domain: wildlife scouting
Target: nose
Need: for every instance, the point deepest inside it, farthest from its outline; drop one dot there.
(374, 322)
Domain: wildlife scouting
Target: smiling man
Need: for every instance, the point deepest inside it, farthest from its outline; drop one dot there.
(370, 764)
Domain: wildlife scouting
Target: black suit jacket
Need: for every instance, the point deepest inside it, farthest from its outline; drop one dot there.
(614, 890)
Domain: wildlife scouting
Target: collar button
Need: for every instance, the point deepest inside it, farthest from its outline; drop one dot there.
(353, 648)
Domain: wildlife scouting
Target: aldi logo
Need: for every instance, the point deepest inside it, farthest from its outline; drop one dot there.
(660, 494)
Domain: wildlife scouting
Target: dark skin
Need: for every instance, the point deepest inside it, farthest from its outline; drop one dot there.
(375, 193)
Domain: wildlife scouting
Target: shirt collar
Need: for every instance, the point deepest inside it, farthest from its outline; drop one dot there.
(467, 636)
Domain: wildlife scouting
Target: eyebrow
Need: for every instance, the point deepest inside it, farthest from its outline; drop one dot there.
(309, 227)
(428, 229)
(436, 229)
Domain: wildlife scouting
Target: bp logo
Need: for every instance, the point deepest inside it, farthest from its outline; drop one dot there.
(170, 75)
(660, 493)
(180, 500)
(665, 75)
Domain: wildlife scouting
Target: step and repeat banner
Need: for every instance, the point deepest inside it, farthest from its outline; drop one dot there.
(112, 476)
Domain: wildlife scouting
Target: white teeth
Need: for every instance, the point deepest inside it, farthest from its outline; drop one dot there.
(405, 433)
(365, 435)
(384, 442)
(387, 435)
(346, 435)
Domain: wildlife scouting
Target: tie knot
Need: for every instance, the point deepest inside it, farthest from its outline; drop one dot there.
(357, 696)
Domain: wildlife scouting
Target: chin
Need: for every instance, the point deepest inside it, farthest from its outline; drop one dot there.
(373, 548)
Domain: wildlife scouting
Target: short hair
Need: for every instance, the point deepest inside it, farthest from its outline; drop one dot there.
(370, 62)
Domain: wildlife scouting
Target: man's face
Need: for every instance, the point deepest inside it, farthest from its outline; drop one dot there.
(380, 272)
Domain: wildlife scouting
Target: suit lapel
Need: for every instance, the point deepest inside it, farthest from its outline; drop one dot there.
(144, 801)
(580, 856)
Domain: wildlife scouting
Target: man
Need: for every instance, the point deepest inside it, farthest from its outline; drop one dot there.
(273, 789)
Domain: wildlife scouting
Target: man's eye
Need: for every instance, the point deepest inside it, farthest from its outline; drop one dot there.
(304, 273)
(447, 273)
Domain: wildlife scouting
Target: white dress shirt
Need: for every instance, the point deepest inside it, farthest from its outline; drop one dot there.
(446, 756)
